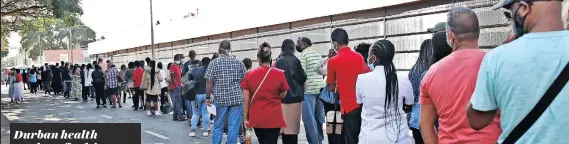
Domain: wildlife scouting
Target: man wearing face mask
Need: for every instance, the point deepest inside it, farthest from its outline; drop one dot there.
(176, 87)
(514, 77)
(343, 71)
(443, 95)
(312, 108)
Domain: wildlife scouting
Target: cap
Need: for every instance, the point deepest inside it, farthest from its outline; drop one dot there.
(502, 3)
(438, 27)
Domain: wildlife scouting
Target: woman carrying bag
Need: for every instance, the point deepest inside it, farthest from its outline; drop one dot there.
(262, 98)
(151, 86)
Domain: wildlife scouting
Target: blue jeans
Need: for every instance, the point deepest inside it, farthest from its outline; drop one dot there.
(189, 107)
(235, 115)
(200, 108)
(313, 118)
(67, 87)
(177, 102)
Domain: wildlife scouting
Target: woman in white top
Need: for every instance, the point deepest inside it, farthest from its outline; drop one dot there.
(164, 85)
(383, 93)
(88, 81)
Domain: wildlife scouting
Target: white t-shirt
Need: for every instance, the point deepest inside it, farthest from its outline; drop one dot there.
(163, 84)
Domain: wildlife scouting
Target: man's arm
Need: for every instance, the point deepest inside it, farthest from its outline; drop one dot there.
(331, 76)
(427, 123)
(483, 105)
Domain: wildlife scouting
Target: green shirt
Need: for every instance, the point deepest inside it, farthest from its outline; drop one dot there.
(309, 59)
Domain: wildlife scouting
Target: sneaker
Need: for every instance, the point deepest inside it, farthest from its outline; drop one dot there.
(97, 106)
(205, 134)
(120, 106)
(148, 113)
(104, 106)
(157, 113)
(192, 133)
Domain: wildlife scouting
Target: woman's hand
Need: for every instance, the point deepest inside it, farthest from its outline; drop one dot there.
(246, 124)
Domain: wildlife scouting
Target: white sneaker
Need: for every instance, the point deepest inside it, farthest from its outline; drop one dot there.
(148, 113)
(192, 133)
(205, 134)
(158, 113)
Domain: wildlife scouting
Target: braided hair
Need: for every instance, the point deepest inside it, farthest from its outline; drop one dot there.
(384, 52)
(423, 63)
(152, 65)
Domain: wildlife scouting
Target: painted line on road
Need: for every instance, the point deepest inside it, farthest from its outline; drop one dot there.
(79, 107)
(157, 135)
(106, 116)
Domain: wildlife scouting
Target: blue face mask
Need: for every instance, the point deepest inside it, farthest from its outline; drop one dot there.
(370, 66)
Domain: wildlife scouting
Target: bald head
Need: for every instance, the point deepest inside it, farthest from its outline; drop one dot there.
(463, 22)
(224, 47)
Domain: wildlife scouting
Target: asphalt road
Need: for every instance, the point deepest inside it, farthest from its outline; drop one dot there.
(154, 129)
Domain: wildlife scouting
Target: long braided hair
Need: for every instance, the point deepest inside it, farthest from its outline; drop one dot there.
(423, 63)
(384, 52)
(152, 65)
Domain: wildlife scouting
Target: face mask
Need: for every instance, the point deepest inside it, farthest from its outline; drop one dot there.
(370, 64)
(448, 40)
(518, 23)
(334, 47)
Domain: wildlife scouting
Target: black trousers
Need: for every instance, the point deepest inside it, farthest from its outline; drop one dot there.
(85, 93)
(267, 135)
(163, 96)
(352, 126)
(136, 98)
(417, 136)
(33, 87)
(100, 96)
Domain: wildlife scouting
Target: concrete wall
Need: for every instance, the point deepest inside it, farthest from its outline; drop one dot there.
(404, 25)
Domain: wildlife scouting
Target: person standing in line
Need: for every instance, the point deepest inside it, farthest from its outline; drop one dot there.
(262, 98)
(102, 64)
(142, 93)
(415, 77)
(129, 81)
(99, 84)
(312, 107)
(343, 70)
(47, 78)
(292, 103)
(151, 86)
(76, 87)
(85, 89)
(113, 82)
(67, 80)
(443, 97)
(163, 87)
(11, 83)
(56, 83)
(18, 87)
(25, 78)
(122, 87)
(89, 81)
(363, 49)
(199, 104)
(39, 83)
(224, 75)
(514, 77)
(383, 94)
(137, 81)
(175, 89)
(248, 63)
(33, 81)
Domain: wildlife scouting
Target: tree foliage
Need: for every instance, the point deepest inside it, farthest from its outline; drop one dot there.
(16, 15)
(55, 37)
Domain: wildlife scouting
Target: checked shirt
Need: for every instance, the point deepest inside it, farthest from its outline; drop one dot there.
(226, 73)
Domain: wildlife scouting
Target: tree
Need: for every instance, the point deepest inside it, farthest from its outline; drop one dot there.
(18, 15)
(55, 37)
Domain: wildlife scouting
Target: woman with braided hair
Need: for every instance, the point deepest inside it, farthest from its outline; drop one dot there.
(151, 86)
(382, 94)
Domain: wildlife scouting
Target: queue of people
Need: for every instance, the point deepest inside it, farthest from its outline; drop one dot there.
(455, 92)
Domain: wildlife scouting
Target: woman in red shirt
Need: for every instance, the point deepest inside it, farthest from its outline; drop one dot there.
(263, 98)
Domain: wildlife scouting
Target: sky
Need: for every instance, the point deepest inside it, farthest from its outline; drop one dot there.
(126, 23)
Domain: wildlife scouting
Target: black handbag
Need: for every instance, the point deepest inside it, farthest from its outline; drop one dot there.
(540, 107)
(166, 108)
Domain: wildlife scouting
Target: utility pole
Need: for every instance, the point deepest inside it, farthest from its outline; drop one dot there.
(69, 44)
(151, 30)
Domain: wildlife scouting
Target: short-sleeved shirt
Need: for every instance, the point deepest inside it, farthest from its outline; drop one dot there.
(112, 77)
(265, 108)
(448, 85)
(137, 76)
(177, 76)
(343, 69)
(514, 77)
(226, 73)
(309, 59)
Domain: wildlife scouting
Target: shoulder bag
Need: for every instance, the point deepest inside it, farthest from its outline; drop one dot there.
(540, 107)
(334, 122)
(248, 132)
